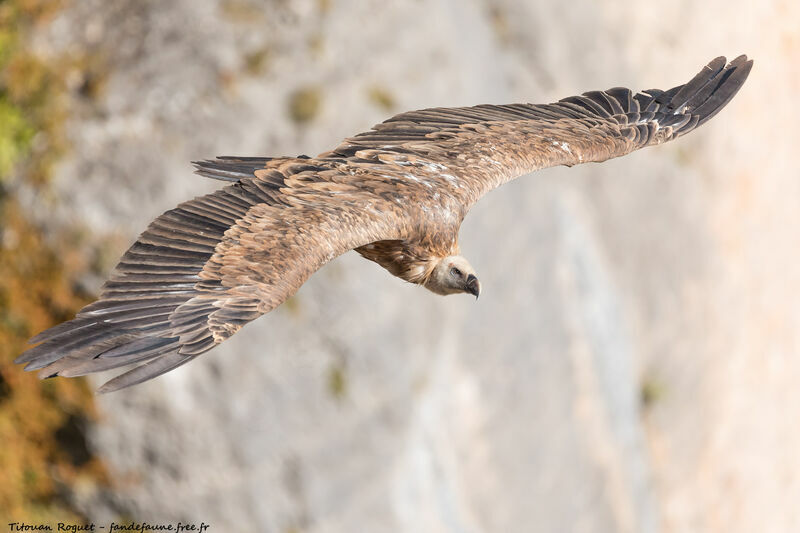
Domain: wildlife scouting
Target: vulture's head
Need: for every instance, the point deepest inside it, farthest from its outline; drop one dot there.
(452, 275)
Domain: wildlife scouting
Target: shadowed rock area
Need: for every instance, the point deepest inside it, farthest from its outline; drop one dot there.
(631, 364)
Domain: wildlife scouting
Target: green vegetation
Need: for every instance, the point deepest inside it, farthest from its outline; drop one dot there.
(242, 11)
(257, 61)
(41, 422)
(337, 381)
(381, 97)
(650, 392)
(305, 104)
(15, 137)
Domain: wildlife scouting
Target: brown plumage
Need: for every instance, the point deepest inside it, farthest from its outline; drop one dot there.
(396, 194)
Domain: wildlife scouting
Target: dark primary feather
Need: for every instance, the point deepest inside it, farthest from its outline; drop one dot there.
(228, 168)
(202, 270)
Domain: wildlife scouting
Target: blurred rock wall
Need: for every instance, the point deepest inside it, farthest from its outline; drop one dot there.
(632, 362)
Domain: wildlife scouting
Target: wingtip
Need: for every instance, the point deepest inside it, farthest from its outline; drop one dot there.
(711, 89)
(105, 389)
(35, 365)
(199, 164)
(741, 59)
(745, 63)
(718, 63)
(32, 359)
(740, 62)
(114, 384)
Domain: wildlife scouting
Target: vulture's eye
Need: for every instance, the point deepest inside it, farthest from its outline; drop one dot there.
(456, 272)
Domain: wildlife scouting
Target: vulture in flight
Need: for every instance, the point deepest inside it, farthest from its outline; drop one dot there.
(395, 194)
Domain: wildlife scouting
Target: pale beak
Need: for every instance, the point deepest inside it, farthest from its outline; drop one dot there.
(473, 286)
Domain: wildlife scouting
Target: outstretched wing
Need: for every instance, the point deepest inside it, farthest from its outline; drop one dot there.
(479, 148)
(204, 269)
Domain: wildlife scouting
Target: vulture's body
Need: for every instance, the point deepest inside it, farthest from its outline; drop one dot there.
(396, 194)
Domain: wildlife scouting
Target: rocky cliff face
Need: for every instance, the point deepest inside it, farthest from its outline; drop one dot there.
(632, 362)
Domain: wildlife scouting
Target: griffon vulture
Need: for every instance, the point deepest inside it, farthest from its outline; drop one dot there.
(395, 194)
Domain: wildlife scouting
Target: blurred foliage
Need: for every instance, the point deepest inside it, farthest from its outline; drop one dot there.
(324, 6)
(257, 61)
(500, 24)
(381, 97)
(316, 45)
(15, 137)
(304, 104)
(337, 381)
(41, 422)
(31, 109)
(242, 11)
(651, 391)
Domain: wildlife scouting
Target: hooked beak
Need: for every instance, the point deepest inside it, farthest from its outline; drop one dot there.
(473, 286)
